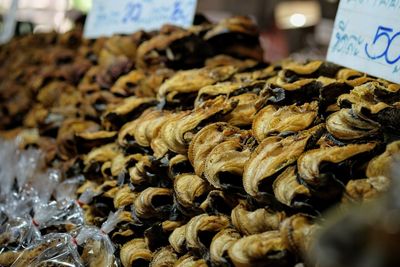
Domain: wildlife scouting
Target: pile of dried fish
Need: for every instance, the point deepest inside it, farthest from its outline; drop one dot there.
(206, 155)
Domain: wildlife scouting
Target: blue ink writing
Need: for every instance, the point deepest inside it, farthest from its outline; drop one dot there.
(346, 43)
(385, 37)
(133, 12)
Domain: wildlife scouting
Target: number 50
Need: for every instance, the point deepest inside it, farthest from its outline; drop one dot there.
(383, 34)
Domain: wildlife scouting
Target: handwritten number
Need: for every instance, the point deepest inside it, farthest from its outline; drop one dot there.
(177, 13)
(386, 56)
(381, 34)
(133, 12)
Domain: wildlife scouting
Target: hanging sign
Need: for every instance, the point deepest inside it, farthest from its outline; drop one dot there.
(108, 17)
(366, 37)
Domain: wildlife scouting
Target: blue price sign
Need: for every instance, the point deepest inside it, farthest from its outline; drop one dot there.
(127, 16)
(366, 37)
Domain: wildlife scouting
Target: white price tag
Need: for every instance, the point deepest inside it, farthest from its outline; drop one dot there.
(108, 17)
(9, 23)
(366, 37)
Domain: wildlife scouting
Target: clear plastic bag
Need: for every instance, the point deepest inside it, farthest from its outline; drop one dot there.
(28, 162)
(66, 190)
(27, 189)
(52, 250)
(66, 213)
(7, 170)
(87, 196)
(97, 248)
(45, 184)
(18, 233)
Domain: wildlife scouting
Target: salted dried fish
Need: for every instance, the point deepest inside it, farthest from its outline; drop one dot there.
(153, 202)
(200, 230)
(128, 110)
(265, 249)
(273, 120)
(346, 125)
(135, 252)
(272, 156)
(256, 221)
(206, 139)
(177, 239)
(164, 257)
(289, 191)
(298, 232)
(178, 132)
(381, 165)
(190, 190)
(220, 244)
(225, 163)
(183, 86)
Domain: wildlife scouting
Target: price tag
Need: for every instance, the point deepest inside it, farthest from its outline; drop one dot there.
(366, 37)
(108, 17)
(9, 23)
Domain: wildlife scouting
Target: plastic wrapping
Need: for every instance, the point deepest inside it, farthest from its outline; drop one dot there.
(87, 196)
(112, 221)
(28, 162)
(41, 222)
(7, 170)
(19, 204)
(27, 210)
(18, 233)
(97, 248)
(67, 214)
(45, 184)
(66, 190)
(52, 250)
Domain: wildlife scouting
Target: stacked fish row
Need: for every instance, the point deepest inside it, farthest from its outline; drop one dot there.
(228, 163)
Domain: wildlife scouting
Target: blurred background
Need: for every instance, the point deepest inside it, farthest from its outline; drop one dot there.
(300, 28)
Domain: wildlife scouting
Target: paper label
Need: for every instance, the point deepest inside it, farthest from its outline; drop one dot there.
(9, 23)
(108, 17)
(366, 37)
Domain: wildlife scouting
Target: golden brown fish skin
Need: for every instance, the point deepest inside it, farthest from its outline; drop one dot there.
(273, 120)
(225, 163)
(177, 239)
(362, 190)
(186, 83)
(164, 257)
(220, 244)
(147, 205)
(200, 230)
(346, 125)
(379, 166)
(135, 251)
(265, 249)
(177, 133)
(131, 108)
(288, 190)
(249, 222)
(189, 189)
(205, 140)
(308, 163)
(189, 260)
(298, 232)
(273, 155)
